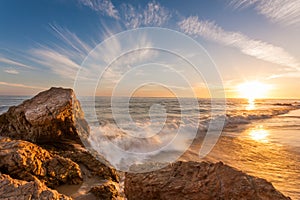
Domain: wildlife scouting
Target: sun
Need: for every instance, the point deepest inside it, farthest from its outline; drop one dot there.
(253, 90)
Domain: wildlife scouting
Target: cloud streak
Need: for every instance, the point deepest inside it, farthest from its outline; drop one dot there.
(58, 63)
(152, 15)
(293, 74)
(13, 62)
(285, 12)
(106, 7)
(62, 58)
(256, 48)
(21, 85)
(71, 40)
(11, 71)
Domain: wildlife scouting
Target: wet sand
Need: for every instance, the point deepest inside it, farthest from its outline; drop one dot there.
(261, 151)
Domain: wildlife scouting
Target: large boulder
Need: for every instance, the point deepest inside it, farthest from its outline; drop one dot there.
(13, 189)
(40, 146)
(198, 180)
(49, 116)
(27, 161)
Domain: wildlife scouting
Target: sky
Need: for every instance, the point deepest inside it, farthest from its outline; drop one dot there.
(70, 43)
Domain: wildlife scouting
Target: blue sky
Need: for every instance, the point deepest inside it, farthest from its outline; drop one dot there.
(43, 43)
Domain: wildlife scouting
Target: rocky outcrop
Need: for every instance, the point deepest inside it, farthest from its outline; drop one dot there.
(198, 180)
(49, 116)
(27, 161)
(40, 148)
(13, 189)
(106, 191)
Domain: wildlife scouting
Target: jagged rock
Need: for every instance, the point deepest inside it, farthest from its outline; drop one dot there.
(27, 161)
(94, 172)
(49, 116)
(198, 180)
(13, 189)
(97, 165)
(106, 191)
(82, 156)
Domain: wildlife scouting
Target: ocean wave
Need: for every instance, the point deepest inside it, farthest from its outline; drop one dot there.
(124, 148)
(4, 108)
(283, 104)
(246, 118)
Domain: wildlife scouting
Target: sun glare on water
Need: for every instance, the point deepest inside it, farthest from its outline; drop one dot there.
(253, 90)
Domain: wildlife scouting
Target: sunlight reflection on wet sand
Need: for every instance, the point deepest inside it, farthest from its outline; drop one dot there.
(254, 152)
(259, 134)
(276, 163)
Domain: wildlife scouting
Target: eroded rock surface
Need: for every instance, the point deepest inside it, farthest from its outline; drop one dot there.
(13, 189)
(27, 161)
(198, 180)
(49, 116)
(94, 172)
(106, 191)
(80, 155)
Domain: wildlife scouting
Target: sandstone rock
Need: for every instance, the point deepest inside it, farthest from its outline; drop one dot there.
(47, 117)
(93, 171)
(106, 191)
(96, 164)
(195, 180)
(82, 156)
(27, 161)
(13, 189)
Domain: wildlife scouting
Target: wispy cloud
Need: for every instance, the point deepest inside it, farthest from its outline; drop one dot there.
(58, 63)
(152, 15)
(256, 48)
(106, 7)
(11, 71)
(13, 62)
(286, 12)
(103, 56)
(64, 58)
(21, 85)
(73, 42)
(293, 74)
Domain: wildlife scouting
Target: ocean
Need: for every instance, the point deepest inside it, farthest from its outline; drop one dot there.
(261, 138)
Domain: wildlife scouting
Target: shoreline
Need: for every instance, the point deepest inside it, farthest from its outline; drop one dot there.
(240, 153)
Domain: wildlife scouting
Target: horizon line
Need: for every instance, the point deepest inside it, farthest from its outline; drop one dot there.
(276, 98)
